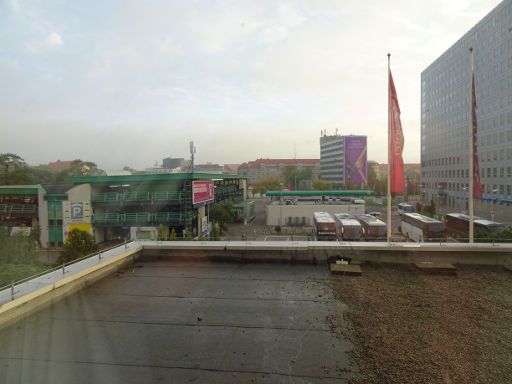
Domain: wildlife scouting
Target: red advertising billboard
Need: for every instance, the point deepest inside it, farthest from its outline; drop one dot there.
(202, 191)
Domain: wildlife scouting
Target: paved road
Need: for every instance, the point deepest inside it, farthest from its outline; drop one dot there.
(184, 322)
(255, 229)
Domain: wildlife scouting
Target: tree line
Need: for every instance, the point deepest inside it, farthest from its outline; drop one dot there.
(15, 171)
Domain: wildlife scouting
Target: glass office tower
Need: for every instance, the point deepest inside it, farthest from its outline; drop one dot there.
(445, 114)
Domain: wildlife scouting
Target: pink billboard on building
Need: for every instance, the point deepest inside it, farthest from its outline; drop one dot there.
(202, 191)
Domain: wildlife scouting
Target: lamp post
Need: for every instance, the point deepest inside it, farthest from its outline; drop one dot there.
(463, 207)
(438, 198)
(494, 198)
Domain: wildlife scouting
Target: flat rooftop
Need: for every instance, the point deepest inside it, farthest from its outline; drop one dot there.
(174, 321)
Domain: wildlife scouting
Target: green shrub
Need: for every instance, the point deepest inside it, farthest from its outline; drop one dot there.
(78, 244)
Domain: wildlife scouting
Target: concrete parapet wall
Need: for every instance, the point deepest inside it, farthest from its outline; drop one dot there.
(320, 251)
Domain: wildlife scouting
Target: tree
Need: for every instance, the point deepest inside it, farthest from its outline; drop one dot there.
(293, 176)
(78, 168)
(222, 214)
(78, 244)
(162, 232)
(322, 185)
(382, 186)
(269, 184)
(372, 177)
(172, 235)
(214, 233)
(29, 175)
(35, 234)
(430, 210)
(9, 161)
(17, 248)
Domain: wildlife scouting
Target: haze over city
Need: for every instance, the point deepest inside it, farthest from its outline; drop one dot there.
(127, 83)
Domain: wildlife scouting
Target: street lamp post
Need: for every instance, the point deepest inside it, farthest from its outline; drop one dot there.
(438, 198)
(463, 205)
(281, 206)
(494, 198)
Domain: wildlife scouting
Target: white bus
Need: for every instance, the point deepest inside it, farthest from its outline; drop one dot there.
(325, 226)
(373, 228)
(405, 208)
(421, 228)
(349, 229)
(457, 225)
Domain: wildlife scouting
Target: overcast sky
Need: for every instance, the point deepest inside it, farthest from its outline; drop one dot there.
(131, 82)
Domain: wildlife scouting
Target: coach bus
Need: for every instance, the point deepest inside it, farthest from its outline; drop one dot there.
(421, 228)
(325, 226)
(405, 208)
(457, 225)
(348, 229)
(373, 228)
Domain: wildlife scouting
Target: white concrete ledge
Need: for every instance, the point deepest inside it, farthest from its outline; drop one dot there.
(327, 245)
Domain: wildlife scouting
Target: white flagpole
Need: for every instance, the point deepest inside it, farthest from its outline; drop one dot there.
(471, 165)
(389, 158)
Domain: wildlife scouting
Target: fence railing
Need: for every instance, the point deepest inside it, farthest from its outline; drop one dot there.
(139, 218)
(118, 197)
(62, 267)
(18, 209)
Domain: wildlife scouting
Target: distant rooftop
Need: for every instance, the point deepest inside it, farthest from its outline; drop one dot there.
(121, 172)
(151, 177)
(350, 193)
(259, 162)
(19, 189)
(60, 165)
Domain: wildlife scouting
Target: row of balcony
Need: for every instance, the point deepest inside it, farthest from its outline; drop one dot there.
(117, 197)
(18, 209)
(222, 193)
(157, 196)
(141, 218)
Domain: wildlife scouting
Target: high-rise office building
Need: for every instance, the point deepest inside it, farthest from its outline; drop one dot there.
(343, 160)
(445, 114)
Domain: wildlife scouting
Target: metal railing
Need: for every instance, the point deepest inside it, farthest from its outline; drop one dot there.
(166, 196)
(136, 196)
(62, 267)
(105, 197)
(18, 209)
(107, 218)
(168, 218)
(137, 218)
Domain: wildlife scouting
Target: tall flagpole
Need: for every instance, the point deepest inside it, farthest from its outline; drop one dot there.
(471, 165)
(389, 157)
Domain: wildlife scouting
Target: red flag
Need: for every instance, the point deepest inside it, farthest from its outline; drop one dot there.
(396, 166)
(477, 185)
